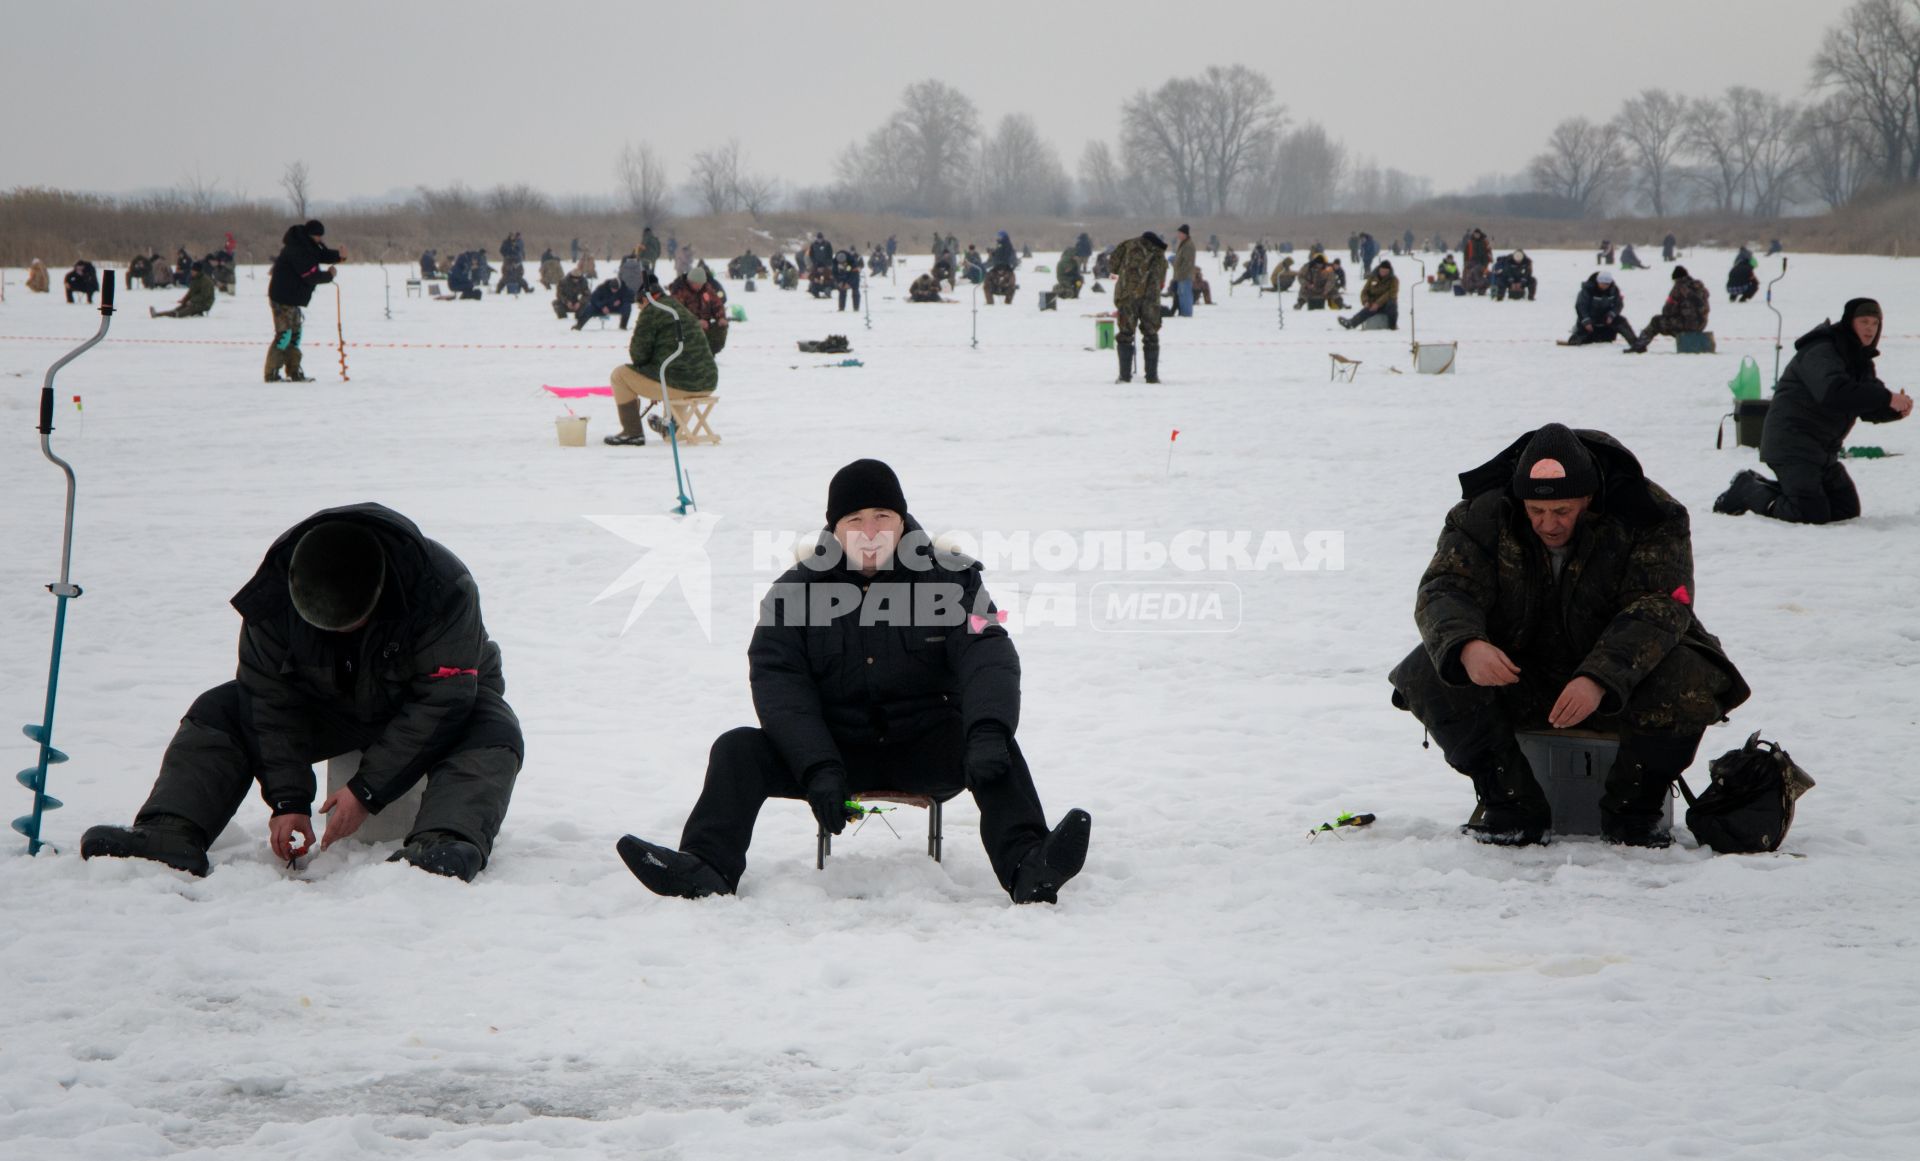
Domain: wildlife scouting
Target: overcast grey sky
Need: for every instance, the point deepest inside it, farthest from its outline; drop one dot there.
(373, 95)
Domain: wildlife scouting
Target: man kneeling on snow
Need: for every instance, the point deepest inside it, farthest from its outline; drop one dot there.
(1561, 594)
(358, 633)
(878, 664)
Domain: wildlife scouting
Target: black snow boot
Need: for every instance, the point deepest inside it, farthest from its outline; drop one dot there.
(1749, 492)
(665, 871)
(1126, 362)
(164, 838)
(1512, 810)
(1153, 362)
(632, 432)
(440, 852)
(1633, 805)
(1053, 860)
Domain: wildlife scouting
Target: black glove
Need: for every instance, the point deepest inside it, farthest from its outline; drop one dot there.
(827, 794)
(988, 758)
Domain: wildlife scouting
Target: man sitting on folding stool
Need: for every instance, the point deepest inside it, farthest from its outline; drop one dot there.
(879, 665)
(657, 336)
(1561, 594)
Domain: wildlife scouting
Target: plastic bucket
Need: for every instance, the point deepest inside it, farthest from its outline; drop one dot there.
(1103, 330)
(572, 430)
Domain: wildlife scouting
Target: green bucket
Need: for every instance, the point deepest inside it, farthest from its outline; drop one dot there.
(1103, 334)
(1746, 384)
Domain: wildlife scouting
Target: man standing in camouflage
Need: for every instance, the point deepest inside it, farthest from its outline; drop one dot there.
(1686, 310)
(297, 269)
(1561, 595)
(1139, 271)
(650, 248)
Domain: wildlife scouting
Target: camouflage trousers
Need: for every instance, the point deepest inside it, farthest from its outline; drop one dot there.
(999, 282)
(1141, 316)
(1661, 324)
(284, 351)
(1682, 695)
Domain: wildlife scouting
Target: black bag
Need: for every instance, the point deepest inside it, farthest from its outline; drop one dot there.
(1750, 804)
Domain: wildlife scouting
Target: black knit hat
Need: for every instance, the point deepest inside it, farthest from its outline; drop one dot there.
(315, 228)
(1860, 308)
(1555, 466)
(336, 575)
(1680, 272)
(864, 484)
(1184, 230)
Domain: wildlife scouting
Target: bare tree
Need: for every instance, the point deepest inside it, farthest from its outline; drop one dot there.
(714, 177)
(756, 193)
(1872, 58)
(1584, 163)
(1772, 151)
(513, 201)
(1307, 172)
(1651, 127)
(1100, 183)
(201, 194)
(1712, 142)
(643, 181)
(1238, 122)
(1019, 173)
(1162, 136)
(1838, 157)
(295, 182)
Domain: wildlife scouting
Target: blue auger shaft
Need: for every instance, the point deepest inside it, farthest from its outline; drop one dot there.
(63, 590)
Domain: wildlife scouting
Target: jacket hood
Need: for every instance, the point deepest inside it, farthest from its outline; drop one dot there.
(1623, 484)
(294, 234)
(410, 569)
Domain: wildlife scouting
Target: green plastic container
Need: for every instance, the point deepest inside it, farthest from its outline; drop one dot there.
(739, 314)
(1745, 384)
(1103, 334)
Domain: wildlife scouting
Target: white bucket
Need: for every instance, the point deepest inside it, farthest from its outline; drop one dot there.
(572, 429)
(1435, 358)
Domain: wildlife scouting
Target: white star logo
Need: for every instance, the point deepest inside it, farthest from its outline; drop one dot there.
(676, 550)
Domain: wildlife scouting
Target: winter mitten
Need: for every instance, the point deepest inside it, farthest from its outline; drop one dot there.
(827, 793)
(988, 758)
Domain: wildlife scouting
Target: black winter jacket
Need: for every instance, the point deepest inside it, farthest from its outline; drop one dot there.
(414, 672)
(1826, 387)
(297, 268)
(1596, 304)
(820, 681)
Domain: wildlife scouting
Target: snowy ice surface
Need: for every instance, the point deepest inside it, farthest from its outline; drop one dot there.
(1215, 985)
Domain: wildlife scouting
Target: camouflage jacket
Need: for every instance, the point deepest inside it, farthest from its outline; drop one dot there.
(1623, 601)
(1686, 307)
(199, 296)
(1139, 272)
(1380, 289)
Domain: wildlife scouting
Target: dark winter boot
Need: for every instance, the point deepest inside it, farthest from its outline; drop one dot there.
(1054, 860)
(1749, 492)
(1126, 362)
(164, 838)
(632, 432)
(1633, 806)
(294, 373)
(275, 359)
(665, 871)
(1153, 362)
(1512, 810)
(440, 852)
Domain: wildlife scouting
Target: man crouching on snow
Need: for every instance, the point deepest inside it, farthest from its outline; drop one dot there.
(1562, 593)
(877, 665)
(358, 633)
